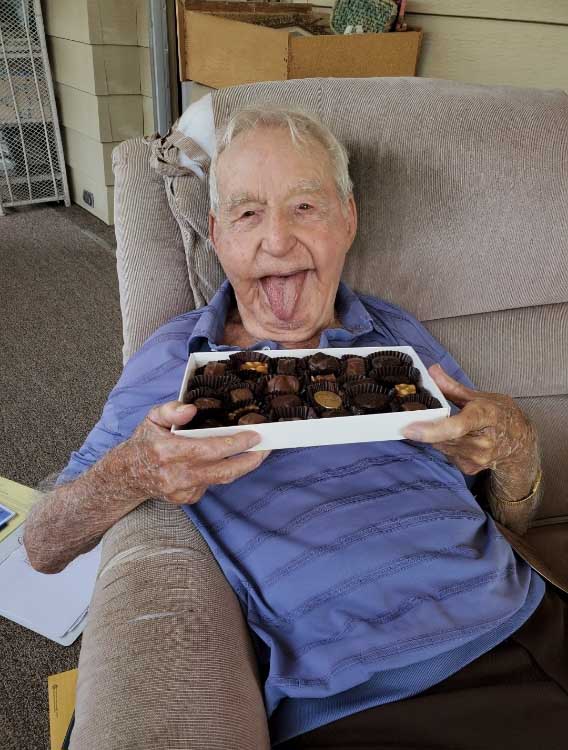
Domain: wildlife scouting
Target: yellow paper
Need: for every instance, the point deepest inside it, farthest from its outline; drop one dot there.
(18, 498)
(61, 705)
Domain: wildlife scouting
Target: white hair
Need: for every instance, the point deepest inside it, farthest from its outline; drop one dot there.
(303, 128)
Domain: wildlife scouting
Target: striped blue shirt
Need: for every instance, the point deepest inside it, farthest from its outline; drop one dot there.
(367, 572)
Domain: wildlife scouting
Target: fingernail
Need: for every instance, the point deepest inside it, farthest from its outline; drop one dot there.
(412, 433)
(181, 407)
(254, 438)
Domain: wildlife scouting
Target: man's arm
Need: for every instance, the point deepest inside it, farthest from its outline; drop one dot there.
(490, 432)
(71, 519)
(152, 463)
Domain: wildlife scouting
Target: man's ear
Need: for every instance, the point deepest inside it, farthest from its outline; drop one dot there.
(351, 218)
(212, 229)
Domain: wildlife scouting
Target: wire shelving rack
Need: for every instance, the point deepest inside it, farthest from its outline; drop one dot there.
(32, 166)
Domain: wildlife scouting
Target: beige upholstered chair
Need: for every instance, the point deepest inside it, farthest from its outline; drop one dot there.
(462, 193)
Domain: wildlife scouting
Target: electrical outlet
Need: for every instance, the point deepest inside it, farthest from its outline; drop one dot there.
(88, 198)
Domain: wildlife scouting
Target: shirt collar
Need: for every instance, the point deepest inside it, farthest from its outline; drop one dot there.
(353, 315)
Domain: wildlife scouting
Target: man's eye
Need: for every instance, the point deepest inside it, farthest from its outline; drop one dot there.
(247, 214)
(304, 206)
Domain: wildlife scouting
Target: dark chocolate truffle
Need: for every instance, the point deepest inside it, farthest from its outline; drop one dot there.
(335, 413)
(390, 359)
(206, 402)
(283, 384)
(207, 423)
(252, 418)
(354, 367)
(285, 401)
(215, 369)
(286, 366)
(321, 364)
(369, 402)
(240, 394)
(412, 406)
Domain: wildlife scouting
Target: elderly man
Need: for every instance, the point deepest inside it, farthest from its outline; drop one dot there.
(368, 573)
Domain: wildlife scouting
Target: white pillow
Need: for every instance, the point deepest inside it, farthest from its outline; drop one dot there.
(198, 124)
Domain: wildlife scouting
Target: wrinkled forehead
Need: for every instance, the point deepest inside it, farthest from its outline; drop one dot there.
(269, 156)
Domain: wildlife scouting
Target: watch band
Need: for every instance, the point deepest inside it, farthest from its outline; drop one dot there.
(532, 494)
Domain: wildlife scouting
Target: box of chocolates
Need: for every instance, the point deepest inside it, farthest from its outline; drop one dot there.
(302, 397)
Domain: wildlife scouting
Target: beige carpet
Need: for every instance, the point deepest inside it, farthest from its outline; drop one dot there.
(60, 354)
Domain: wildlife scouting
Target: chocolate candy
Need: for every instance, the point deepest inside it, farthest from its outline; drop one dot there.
(322, 364)
(215, 369)
(405, 389)
(285, 401)
(286, 365)
(207, 423)
(294, 415)
(330, 378)
(327, 399)
(206, 402)
(252, 418)
(412, 406)
(260, 367)
(367, 402)
(250, 388)
(283, 384)
(390, 359)
(397, 375)
(240, 394)
(354, 367)
(335, 413)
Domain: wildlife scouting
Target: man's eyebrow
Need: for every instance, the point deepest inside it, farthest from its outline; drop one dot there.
(239, 199)
(234, 201)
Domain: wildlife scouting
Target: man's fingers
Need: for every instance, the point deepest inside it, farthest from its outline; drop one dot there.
(440, 431)
(451, 389)
(172, 413)
(228, 470)
(204, 450)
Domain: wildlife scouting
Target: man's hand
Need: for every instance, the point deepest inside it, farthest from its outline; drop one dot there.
(179, 469)
(490, 432)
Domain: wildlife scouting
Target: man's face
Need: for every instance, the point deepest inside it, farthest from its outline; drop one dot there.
(281, 233)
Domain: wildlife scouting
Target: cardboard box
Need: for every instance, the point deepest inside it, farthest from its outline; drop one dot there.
(62, 688)
(330, 431)
(219, 51)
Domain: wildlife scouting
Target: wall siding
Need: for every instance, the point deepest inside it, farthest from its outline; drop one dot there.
(513, 42)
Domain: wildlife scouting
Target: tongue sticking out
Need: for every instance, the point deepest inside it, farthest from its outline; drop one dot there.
(283, 293)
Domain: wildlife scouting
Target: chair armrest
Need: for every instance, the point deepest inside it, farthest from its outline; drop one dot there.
(544, 548)
(166, 652)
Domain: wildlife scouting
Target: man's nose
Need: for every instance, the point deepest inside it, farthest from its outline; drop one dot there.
(279, 237)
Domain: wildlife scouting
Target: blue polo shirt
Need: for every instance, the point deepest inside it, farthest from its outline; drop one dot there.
(367, 572)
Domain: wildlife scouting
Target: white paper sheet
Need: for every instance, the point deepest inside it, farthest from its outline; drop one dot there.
(54, 606)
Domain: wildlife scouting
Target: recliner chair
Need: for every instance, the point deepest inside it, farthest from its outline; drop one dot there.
(462, 193)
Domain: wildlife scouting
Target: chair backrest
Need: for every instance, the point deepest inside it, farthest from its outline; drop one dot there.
(462, 193)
